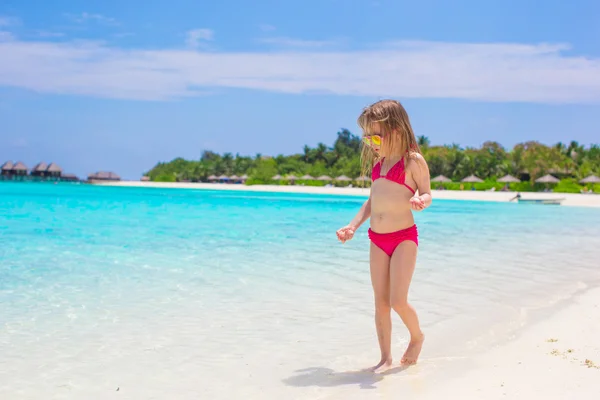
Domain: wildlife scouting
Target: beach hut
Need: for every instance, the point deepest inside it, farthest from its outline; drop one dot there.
(39, 170)
(441, 179)
(223, 178)
(472, 179)
(509, 179)
(291, 178)
(307, 178)
(277, 178)
(145, 179)
(234, 178)
(212, 178)
(244, 178)
(7, 168)
(104, 176)
(19, 169)
(547, 179)
(54, 170)
(324, 178)
(363, 180)
(343, 178)
(593, 179)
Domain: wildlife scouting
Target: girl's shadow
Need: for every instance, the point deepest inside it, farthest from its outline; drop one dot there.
(326, 377)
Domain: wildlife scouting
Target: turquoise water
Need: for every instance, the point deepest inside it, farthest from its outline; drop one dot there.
(228, 294)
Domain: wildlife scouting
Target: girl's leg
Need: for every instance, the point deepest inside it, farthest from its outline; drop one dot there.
(402, 267)
(380, 279)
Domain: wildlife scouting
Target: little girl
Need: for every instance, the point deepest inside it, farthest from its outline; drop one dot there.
(399, 172)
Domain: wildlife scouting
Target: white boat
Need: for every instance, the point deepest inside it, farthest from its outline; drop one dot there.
(542, 201)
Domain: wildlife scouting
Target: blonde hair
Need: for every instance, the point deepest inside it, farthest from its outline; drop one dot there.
(397, 133)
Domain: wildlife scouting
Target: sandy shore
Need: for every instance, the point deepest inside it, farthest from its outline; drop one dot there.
(570, 199)
(555, 358)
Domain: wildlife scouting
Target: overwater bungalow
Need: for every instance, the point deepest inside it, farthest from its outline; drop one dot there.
(54, 170)
(39, 170)
(7, 169)
(19, 169)
(103, 176)
(69, 177)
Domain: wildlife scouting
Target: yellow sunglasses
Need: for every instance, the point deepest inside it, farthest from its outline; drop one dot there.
(375, 140)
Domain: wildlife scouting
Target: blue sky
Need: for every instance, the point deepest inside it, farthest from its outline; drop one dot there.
(107, 85)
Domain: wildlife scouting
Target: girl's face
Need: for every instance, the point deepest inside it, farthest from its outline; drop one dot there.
(374, 138)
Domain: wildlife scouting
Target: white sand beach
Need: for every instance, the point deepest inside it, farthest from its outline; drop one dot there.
(558, 357)
(570, 199)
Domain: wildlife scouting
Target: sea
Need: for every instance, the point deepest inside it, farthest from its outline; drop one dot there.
(151, 293)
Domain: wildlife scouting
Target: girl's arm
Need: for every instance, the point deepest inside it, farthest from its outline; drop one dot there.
(421, 176)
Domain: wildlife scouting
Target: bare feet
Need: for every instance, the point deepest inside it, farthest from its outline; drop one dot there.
(384, 364)
(411, 355)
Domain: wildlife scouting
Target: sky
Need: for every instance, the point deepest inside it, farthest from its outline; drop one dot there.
(106, 85)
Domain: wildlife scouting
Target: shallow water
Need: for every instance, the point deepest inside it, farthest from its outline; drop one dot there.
(217, 295)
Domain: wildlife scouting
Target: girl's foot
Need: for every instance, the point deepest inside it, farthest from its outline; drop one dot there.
(411, 355)
(384, 364)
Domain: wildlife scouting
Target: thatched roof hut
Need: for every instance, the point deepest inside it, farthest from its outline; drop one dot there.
(104, 176)
(244, 177)
(212, 178)
(509, 179)
(69, 177)
(7, 168)
(547, 179)
(324, 178)
(223, 178)
(39, 169)
(54, 170)
(472, 179)
(307, 178)
(19, 168)
(590, 179)
(343, 178)
(441, 179)
(362, 179)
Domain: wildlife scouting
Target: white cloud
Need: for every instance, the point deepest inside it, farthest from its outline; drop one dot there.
(195, 37)
(485, 72)
(86, 17)
(50, 34)
(6, 36)
(291, 42)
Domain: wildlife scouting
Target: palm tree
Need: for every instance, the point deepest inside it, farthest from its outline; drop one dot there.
(423, 142)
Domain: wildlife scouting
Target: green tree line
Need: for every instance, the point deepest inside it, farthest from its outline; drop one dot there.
(526, 161)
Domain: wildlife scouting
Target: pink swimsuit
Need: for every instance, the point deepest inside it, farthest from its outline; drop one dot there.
(389, 241)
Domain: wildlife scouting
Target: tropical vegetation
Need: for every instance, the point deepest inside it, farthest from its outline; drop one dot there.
(527, 161)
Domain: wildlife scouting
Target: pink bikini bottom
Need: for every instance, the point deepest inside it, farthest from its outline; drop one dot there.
(389, 241)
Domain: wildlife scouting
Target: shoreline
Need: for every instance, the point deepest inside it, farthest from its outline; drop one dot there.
(570, 199)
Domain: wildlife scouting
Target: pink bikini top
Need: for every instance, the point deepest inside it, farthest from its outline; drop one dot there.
(396, 174)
